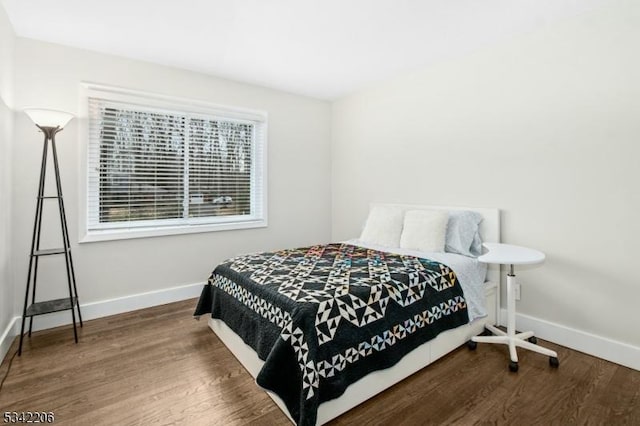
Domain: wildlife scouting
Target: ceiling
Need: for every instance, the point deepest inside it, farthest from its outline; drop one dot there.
(320, 48)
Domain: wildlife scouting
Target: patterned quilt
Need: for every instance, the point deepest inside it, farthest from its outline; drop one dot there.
(323, 317)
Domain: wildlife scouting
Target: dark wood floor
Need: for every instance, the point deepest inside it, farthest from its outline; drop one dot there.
(160, 366)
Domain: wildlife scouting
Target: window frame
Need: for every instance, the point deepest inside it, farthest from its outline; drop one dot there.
(178, 105)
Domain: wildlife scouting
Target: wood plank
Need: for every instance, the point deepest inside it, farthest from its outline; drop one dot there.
(160, 366)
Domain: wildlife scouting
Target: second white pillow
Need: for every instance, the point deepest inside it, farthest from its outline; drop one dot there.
(383, 226)
(424, 230)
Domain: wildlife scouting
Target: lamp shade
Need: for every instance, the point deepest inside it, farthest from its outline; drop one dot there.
(49, 117)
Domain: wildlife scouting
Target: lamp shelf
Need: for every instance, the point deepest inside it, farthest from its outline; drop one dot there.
(49, 306)
(49, 252)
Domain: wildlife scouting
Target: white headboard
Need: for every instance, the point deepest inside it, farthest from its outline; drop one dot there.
(489, 227)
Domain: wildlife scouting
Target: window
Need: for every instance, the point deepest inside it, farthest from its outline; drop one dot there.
(155, 166)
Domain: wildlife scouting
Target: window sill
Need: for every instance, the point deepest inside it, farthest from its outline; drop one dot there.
(130, 233)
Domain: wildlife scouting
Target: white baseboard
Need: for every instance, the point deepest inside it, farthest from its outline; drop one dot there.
(598, 346)
(7, 337)
(103, 308)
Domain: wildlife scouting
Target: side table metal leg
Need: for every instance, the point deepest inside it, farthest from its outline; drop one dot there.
(511, 313)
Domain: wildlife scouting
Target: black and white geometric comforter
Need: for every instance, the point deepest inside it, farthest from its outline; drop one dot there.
(323, 317)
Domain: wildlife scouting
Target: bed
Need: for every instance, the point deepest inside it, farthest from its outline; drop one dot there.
(390, 365)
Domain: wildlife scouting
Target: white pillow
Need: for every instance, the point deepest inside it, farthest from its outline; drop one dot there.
(424, 230)
(383, 226)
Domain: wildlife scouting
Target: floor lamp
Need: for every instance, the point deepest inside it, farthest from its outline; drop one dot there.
(50, 122)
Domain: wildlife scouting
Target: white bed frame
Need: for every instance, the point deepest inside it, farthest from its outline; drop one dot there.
(378, 381)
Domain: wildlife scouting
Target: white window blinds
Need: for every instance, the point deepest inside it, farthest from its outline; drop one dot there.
(150, 167)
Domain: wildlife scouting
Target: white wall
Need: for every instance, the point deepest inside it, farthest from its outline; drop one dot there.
(545, 127)
(7, 40)
(48, 75)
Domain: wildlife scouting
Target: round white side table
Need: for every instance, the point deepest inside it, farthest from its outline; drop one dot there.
(506, 254)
